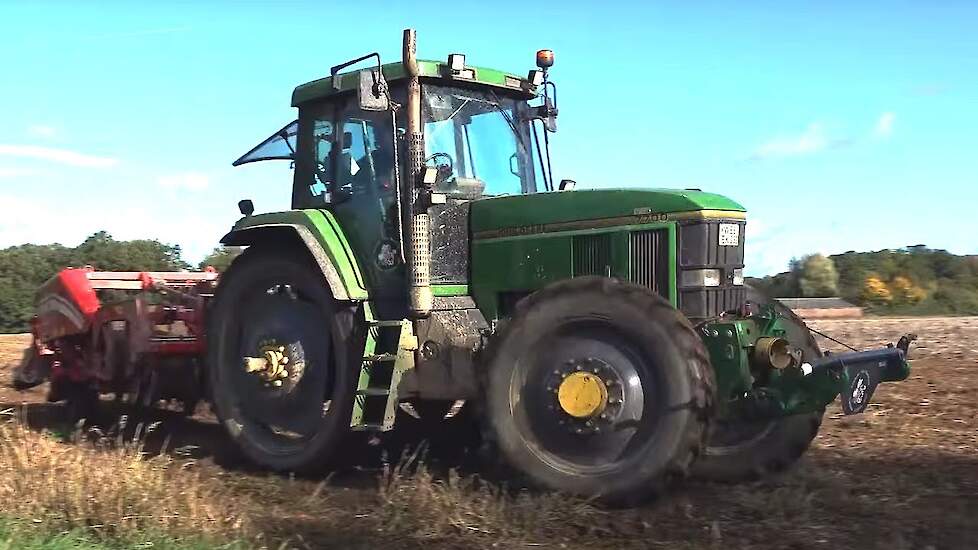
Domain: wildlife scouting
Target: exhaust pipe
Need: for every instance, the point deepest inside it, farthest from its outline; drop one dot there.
(420, 297)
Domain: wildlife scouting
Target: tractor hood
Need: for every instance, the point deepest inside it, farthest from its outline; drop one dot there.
(565, 210)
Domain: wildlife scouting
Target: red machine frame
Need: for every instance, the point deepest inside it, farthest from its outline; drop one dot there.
(118, 331)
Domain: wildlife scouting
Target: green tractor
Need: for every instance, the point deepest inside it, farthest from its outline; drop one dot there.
(603, 338)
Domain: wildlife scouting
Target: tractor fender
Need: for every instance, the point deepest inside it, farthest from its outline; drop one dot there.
(315, 231)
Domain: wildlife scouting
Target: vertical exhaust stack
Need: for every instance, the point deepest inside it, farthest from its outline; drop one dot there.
(420, 297)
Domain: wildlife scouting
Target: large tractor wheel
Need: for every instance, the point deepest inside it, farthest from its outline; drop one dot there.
(279, 376)
(598, 387)
(745, 450)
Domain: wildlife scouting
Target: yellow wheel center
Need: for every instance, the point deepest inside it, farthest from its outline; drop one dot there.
(582, 395)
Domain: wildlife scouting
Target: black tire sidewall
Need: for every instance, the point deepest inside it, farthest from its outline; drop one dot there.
(648, 322)
(251, 267)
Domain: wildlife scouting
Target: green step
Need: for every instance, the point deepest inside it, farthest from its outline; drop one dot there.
(380, 357)
(384, 323)
(374, 392)
(387, 352)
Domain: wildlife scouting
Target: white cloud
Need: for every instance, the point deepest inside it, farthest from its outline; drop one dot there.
(884, 126)
(189, 181)
(812, 140)
(42, 131)
(60, 156)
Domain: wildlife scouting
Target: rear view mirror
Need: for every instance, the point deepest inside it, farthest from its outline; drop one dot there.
(373, 91)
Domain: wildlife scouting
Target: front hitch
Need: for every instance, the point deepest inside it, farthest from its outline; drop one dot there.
(859, 372)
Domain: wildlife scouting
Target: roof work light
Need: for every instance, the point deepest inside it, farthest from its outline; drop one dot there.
(456, 62)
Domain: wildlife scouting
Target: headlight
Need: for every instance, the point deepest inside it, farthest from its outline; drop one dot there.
(700, 277)
(738, 277)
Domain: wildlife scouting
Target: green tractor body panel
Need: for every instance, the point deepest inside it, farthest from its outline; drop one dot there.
(320, 233)
(784, 393)
(523, 243)
(589, 208)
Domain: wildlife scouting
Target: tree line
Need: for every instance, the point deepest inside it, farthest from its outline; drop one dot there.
(26, 267)
(915, 280)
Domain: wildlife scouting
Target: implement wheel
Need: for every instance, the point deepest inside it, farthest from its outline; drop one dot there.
(740, 450)
(279, 381)
(598, 387)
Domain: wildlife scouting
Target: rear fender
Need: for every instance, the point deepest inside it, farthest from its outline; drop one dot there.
(315, 230)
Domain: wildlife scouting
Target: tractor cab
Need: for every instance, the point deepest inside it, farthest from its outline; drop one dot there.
(352, 156)
(476, 135)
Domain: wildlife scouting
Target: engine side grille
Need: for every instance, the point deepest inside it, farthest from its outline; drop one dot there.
(592, 255)
(648, 260)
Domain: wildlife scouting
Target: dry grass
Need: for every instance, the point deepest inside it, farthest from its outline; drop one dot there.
(108, 487)
(427, 508)
(902, 476)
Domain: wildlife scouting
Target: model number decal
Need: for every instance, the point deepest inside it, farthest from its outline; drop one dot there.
(729, 234)
(652, 218)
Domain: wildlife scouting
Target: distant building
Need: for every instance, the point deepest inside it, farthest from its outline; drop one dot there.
(822, 308)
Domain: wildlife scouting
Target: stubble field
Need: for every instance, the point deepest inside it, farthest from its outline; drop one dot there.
(902, 476)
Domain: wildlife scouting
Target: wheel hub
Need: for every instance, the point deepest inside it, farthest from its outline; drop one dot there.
(582, 395)
(270, 363)
(588, 395)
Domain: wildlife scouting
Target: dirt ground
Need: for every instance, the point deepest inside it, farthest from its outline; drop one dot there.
(904, 475)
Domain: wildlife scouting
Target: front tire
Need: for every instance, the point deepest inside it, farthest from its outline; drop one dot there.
(273, 299)
(741, 450)
(598, 387)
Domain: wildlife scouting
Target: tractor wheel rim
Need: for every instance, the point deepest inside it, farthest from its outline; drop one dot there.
(586, 402)
(282, 402)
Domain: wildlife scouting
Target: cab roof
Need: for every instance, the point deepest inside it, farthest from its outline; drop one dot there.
(323, 87)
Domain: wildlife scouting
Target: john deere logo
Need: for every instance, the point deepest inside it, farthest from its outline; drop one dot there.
(859, 391)
(386, 254)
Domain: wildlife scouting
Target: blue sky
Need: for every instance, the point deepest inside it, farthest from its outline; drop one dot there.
(839, 127)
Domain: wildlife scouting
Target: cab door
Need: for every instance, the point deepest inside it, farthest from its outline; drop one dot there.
(364, 197)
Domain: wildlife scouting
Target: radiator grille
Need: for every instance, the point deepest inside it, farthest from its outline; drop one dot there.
(592, 255)
(648, 261)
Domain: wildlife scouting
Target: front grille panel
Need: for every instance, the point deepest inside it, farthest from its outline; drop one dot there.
(648, 258)
(592, 255)
(699, 248)
(704, 303)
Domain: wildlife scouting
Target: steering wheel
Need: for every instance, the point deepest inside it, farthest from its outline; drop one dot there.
(444, 170)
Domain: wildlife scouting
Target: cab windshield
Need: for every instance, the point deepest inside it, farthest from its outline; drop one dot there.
(476, 140)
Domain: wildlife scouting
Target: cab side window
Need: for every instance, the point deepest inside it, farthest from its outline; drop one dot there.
(364, 164)
(322, 136)
(314, 165)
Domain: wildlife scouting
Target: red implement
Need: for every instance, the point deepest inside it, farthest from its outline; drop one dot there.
(132, 333)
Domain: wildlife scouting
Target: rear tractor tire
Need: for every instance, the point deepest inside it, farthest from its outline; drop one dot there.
(280, 381)
(749, 450)
(599, 388)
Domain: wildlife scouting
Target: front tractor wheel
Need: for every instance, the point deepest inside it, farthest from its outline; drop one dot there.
(276, 362)
(741, 450)
(599, 388)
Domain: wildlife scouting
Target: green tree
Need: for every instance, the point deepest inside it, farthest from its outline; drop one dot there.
(104, 253)
(23, 269)
(221, 257)
(816, 276)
